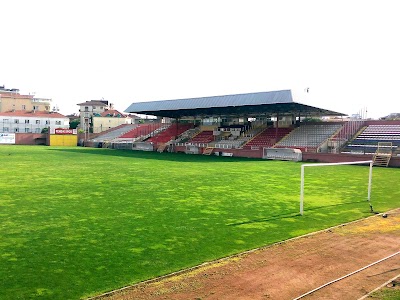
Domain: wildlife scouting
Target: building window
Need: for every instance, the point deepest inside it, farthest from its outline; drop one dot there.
(58, 122)
(26, 121)
(5, 129)
(16, 129)
(47, 108)
(35, 107)
(16, 121)
(23, 107)
(37, 121)
(94, 107)
(27, 130)
(86, 108)
(37, 130)
(47, 122)
(6, 120)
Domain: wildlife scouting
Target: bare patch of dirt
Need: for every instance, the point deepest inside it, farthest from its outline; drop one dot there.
(290, 269)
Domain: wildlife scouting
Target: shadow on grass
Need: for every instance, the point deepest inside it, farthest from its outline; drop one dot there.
(293, 214)
(338, 205)
(272, 218)
(179, 157)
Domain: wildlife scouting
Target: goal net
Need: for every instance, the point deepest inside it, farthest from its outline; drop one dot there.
(303, 166)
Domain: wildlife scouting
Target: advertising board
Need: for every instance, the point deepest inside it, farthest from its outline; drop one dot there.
(7, 138)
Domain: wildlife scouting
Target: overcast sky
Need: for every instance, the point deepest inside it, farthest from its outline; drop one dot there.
(346, 52)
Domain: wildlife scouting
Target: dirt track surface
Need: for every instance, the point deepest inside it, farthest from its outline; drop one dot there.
(290, 269)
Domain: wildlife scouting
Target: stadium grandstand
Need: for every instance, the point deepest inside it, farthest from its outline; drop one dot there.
(267, 125)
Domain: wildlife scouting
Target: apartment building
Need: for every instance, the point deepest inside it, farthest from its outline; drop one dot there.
(110, 119)
(88, 109)
(12, 100)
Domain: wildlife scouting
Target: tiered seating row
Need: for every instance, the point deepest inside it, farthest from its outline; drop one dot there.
(268, 137)
(117, 132)
(381, 132)
(309, 136)
(170, 133)
(203, 137)
(141, 130)
(367, 141)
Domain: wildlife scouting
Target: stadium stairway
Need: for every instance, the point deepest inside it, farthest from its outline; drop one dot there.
(383, 154)
(208, 151)
(381, 160)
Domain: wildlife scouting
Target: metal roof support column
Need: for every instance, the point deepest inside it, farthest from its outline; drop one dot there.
(277, 127)
(298, 123)
(176, 128)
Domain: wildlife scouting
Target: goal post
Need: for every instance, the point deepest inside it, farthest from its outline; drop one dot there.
(303, 166)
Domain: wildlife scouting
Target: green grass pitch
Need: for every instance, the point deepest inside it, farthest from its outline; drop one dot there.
(76, 222)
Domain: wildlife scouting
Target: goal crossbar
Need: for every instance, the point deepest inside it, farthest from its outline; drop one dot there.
(303, 166)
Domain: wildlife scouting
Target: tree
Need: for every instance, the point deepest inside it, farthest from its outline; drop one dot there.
(311, 120)
(74, 124)
(392, 116)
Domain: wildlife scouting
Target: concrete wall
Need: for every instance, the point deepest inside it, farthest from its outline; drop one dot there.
(31, 139)
(236, 152)
(343, 157)
(315, 157)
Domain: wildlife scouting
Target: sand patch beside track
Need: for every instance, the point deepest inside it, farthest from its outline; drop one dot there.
(290, 269)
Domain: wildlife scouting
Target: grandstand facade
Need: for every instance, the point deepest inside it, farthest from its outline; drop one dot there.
(252, 125)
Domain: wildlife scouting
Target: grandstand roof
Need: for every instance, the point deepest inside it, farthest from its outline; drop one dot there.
(252, 104)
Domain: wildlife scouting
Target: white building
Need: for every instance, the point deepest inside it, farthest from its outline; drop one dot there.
(31, 122)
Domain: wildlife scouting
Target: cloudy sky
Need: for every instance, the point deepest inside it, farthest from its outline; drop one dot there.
(346, 52)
